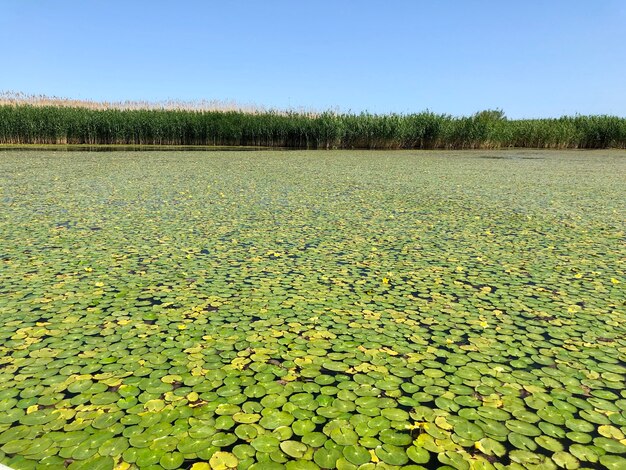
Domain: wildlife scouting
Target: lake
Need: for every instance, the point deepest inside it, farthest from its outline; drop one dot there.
(321, 309)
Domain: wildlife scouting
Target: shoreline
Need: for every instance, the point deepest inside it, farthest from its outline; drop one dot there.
(227, 148)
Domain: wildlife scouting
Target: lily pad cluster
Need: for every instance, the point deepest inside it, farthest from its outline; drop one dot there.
(312, 311)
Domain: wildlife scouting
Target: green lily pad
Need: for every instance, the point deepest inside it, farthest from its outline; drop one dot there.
(610, 445)
(584, 453)
(293, 449)
(469, 431)
(227, 409)
(224, 422)
(356, 455)
(15, 433)
(523, 428)
(189, 445)
(522, 442)
(95, 463)
(565, 460)
(37, 417)
(594, 417)
(393, 455)
(496, 414)
(551, 415)
(302, 427)
(314, 439)
(494, 429)
(344, 436)
(283, 433)
(489, 446)
(291, 465)
(326, 458)
(113, 447)
(276, 419)
(396, 438)
(526, 458)
(452, 459)
(147, 457)
(171, 461)
(222, 439)
(578, 425)
(549, 443)
(395, 414)
(15, 446)
(613, 462)
(579, 437)
(418, 454)
(246, 418)
(223, 460)
(246, 432)
(265, 443)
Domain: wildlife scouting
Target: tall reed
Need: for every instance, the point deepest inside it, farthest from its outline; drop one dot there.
(27, 123)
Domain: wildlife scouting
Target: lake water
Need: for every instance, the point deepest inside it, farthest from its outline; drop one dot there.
(312, 309)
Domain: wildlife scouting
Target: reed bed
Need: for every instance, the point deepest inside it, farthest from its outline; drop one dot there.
(42, 122)
(17, 98)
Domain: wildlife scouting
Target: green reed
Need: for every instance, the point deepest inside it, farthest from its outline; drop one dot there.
(28, 124)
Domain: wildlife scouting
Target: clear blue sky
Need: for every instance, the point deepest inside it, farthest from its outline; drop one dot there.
(532, 58)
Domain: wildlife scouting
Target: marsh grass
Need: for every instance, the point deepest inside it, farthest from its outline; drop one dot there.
(42, 120)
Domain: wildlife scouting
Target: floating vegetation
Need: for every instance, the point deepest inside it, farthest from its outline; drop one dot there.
(312, 311)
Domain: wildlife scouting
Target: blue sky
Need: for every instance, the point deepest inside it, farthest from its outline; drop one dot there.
(531, 58)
